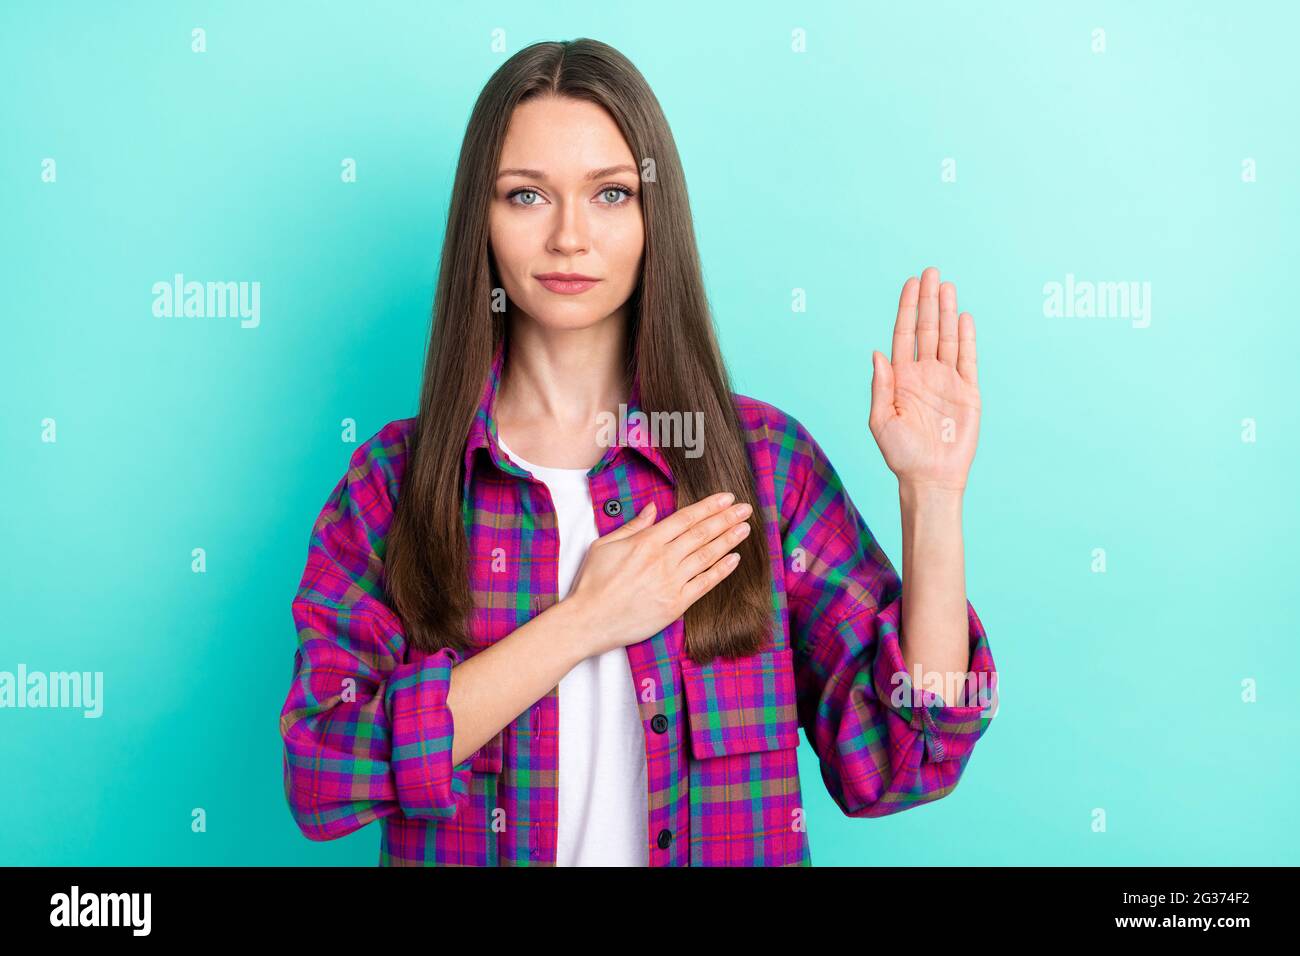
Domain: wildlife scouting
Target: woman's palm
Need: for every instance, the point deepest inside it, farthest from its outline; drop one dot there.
(925, 401)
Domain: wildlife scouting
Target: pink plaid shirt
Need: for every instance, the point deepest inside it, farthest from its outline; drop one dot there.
(367, 731)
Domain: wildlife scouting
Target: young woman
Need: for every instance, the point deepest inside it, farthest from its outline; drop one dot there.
(575, 610)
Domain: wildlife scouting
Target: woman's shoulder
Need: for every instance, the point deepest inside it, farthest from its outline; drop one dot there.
(782, 450)
(390, 443)
(767, 423)
(386, 449)
(379, 462)
(349, 534)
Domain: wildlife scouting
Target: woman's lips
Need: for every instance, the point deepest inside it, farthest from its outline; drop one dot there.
(567, 286)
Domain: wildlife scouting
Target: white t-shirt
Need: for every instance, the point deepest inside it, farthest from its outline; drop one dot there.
(602, 777)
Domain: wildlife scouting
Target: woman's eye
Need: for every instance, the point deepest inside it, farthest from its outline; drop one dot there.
(617, 195)
(525, 192)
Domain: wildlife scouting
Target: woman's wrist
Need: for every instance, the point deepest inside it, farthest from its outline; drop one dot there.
(926, 496)
(576, 630)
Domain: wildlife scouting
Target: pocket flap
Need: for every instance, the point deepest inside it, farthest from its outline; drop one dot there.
(741, 704)
(487, 759)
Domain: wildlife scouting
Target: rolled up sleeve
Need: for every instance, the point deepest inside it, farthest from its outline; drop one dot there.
(881, 749)
(366, 727)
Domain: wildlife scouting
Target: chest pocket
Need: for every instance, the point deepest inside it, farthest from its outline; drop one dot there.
(741, 704)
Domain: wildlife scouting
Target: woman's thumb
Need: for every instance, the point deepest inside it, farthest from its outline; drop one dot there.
(882, 387)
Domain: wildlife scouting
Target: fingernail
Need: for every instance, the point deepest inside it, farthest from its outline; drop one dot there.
(727, 498)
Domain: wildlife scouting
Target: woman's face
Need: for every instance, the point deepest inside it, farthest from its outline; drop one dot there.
(567, 200)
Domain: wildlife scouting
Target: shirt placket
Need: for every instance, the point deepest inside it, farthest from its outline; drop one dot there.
(652, 661)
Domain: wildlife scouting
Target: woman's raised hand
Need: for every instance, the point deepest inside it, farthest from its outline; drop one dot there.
(925, 401)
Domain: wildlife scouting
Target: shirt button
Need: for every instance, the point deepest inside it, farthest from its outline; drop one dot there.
(665, 838)
(659, 723)
(613, 507)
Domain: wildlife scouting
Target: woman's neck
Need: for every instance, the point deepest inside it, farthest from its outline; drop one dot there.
(554, 385)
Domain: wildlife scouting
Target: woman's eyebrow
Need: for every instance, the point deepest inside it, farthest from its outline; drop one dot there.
(594, 174)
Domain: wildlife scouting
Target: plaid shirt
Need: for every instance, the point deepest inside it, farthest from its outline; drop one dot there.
(367, 731)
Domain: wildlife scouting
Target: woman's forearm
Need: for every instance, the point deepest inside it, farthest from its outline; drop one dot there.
(497, 684)
(935, 629)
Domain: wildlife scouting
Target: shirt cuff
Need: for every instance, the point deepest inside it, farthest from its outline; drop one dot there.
(427, 783)
(950, 731)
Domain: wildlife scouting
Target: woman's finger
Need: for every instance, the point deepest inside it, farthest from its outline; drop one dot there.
(927, 316)
(966, 348)
(948, 324)
(904, 347)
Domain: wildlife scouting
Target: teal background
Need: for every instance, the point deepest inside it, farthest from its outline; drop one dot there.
(820, 171)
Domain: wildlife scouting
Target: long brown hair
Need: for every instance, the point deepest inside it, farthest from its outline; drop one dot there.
(671, 345)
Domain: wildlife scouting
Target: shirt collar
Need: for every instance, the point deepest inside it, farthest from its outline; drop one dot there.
(483, 430)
